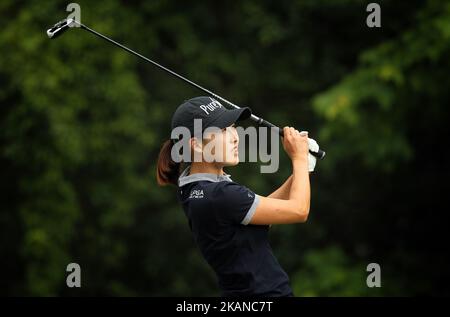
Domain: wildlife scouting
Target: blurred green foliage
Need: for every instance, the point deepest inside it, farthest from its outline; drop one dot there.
(82, 122)
(328, 272)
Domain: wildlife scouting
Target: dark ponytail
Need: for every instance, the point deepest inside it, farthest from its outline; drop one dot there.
(167, 171)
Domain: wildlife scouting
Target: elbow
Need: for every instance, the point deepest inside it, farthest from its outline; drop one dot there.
(303, 214)
(300, 211)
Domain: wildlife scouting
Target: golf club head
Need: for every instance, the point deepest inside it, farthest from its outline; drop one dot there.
(59, 28)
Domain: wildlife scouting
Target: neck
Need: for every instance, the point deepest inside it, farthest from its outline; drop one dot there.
(204, 167)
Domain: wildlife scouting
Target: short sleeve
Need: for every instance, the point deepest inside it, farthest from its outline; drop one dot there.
(235, 203)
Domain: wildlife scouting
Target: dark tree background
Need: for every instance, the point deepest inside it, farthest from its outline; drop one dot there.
(82, 123)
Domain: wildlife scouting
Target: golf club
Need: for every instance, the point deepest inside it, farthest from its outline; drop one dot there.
(65, 24)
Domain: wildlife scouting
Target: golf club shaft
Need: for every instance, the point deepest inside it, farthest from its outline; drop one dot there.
(63, 27)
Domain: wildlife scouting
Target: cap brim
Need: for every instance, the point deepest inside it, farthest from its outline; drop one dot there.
(232, 116)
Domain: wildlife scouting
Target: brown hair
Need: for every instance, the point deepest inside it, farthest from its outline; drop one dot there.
(167, 171)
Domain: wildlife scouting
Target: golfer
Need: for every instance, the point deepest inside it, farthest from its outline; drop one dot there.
(230, 222)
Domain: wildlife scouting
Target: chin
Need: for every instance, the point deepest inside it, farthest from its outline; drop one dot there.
(232, 163)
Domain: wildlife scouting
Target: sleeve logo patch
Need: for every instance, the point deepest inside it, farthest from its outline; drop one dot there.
(196, 193)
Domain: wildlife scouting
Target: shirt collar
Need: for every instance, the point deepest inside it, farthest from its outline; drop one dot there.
(185, 178)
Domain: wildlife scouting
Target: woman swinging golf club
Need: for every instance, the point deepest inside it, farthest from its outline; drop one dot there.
(229, 221)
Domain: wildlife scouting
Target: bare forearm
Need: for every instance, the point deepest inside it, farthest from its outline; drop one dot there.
(300, 190)
(283, 191)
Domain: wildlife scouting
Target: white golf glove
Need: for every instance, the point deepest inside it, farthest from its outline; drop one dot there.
(313, 146)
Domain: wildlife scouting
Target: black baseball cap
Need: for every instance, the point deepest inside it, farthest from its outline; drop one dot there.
(212, 113)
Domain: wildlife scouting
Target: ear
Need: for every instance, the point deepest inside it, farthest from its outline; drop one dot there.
(196, 145)
(196, 149)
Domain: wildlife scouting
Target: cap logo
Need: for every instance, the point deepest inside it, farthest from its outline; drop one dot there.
(213, 105)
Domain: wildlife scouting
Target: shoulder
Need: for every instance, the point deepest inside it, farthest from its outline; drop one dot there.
(228, 187)
(216, 190)
(228, 201)
(203, 192)
(228, 190)
(235, 202)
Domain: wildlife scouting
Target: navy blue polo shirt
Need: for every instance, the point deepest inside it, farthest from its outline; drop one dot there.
(219, 211)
